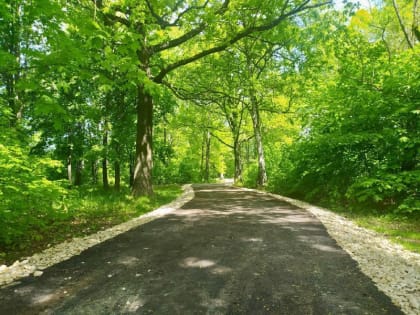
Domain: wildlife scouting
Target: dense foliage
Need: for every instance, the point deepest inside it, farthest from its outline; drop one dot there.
(359, 145)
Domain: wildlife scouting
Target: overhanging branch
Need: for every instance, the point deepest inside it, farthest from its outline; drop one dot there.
(229, 42)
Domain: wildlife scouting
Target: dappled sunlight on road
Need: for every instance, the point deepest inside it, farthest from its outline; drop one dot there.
(133, 304)
(128, 260)
(40, 298)
(194, 262)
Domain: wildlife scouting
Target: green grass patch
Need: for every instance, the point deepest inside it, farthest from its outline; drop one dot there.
(84, 211)
(402, 230)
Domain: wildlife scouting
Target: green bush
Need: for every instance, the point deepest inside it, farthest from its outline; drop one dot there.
(249, 175)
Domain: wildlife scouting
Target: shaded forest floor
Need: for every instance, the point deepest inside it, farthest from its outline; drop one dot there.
(89, 210)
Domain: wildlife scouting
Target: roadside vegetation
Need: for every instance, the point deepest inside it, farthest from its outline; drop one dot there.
(80, 212)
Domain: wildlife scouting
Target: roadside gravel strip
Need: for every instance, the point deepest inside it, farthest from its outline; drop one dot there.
(394, 270)
(53, 255)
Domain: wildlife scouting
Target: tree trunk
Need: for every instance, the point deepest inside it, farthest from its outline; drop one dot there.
(14, 38)
(105, 173)
(238, 162)
(165, 144)
(203, 149)
(78, 175)
(256, 123)
(104, 160)
(69, 171)
(142, 185)
(94, 171)
(131, 170)
(207, 164)
(400, 21)
(415, 25)
(117, 169)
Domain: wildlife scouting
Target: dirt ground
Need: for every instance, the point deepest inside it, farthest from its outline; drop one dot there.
(227, 251)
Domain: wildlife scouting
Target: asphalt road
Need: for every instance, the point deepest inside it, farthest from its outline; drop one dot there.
(227, 251)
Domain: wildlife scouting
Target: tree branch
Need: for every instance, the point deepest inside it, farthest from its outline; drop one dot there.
(178, 41)
(400, 21)
(161, 20)
(236, 38)
(221, 141)
(415, 26)
(162, 23)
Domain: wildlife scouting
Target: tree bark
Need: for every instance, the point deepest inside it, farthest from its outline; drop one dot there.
(78, 176)
(237, 161)
(117, 169)
(94, 171)
(13, 45)
(415, 24)
(256, 122)
(203, 149)
(207, 164)
(69, 170)
(131, 170)
(142, 185)
(104, 161)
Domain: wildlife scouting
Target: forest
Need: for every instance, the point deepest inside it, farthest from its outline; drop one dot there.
(108, 106)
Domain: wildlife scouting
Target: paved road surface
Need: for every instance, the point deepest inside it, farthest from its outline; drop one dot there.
(227, 251)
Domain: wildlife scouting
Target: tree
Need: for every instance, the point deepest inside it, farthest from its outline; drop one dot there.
(166, 30)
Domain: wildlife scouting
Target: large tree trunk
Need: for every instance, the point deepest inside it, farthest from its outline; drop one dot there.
(142, 185)
(256, 122)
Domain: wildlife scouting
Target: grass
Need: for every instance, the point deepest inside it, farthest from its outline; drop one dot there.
(402, 230)
(399, 228)
(85, 211)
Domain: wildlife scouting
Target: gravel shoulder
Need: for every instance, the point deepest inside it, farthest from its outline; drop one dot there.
(226, 251)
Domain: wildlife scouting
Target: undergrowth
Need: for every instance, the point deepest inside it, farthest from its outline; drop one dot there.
(82, 212)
